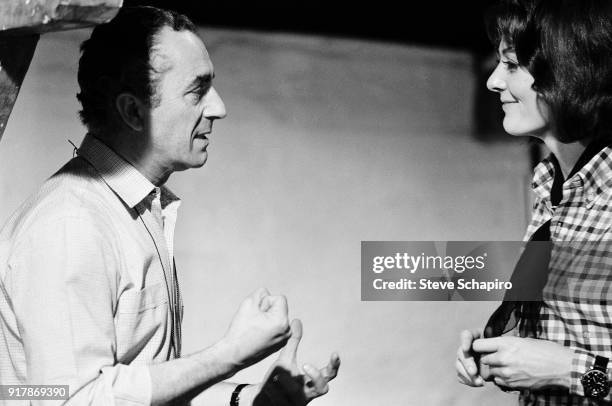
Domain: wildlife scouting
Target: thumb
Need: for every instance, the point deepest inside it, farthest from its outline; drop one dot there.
(288, 354)
(259, 296)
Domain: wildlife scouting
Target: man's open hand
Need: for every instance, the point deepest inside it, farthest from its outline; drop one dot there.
(259, 328)
(287, 384)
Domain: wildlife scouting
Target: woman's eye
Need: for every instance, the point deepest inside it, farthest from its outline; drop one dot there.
(510, 65)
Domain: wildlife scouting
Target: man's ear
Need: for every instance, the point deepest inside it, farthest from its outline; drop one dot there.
(131, 110)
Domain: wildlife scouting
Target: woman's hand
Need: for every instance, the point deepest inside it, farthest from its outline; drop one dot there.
(525, 363)
(466, 364)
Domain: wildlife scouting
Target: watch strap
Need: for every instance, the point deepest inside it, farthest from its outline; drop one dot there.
(601, 363)
(235, 399)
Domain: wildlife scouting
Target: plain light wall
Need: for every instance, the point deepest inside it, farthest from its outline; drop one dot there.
(328, 142)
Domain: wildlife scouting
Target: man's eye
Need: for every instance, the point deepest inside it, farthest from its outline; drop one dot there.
(198, 93)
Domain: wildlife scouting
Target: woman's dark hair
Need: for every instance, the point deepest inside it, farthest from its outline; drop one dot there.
(117, 58)
(566, 45)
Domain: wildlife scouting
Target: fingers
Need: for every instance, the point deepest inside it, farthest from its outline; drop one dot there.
(505, 385)
(331, 370)
(259, 327)
(501, 382)
(288, 354)
(492, 359)
(287, 380)
(317, 380)
(259, 295)
(466, 338)
(466, 378)
(274, 304)
(499, 372)
(467, 369)
(465, 353)
(468, 362)
(462, 375)
(485, 373)
(487, 344)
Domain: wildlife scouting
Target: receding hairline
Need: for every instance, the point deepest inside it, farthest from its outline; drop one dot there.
(161, 62)
(160, 59)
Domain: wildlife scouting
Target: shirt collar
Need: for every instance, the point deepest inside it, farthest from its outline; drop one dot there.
(164, 196)
(543, 176)
(167, 197)
(593, 177)
(126, 181)
(596, 175)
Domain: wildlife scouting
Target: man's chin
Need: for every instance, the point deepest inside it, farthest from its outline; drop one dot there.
(201, 160)
(199, 165)
(195, 162)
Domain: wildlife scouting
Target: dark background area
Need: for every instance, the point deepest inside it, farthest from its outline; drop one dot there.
(450, 24)
(456, 25)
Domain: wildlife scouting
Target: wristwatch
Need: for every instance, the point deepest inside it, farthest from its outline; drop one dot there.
(595, 381)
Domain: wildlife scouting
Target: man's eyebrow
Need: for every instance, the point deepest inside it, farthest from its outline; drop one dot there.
(201, 81)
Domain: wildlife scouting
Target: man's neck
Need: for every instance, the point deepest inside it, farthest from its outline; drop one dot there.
(139, 154)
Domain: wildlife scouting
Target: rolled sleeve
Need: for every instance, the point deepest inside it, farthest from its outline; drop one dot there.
(582, 362)
(64, 282)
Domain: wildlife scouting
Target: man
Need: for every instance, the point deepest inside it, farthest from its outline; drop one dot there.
(89, 295)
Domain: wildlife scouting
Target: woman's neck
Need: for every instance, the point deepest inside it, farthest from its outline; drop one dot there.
(566, 154)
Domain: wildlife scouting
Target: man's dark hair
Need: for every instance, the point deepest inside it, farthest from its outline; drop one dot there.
(117, 58)
(566, 45)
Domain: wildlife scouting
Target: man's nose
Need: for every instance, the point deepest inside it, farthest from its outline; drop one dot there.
(496, 82)
(214, 107)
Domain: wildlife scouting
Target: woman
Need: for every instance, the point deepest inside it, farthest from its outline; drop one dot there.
(554, 80)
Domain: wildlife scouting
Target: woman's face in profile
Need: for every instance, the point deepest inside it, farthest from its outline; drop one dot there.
(525, 112)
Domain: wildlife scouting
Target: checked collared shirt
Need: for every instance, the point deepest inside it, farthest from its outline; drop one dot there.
(577, 309)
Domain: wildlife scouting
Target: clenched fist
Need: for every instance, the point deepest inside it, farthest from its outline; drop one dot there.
(259, 328)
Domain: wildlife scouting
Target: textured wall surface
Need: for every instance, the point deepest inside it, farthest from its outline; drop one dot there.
(29, 16)
(328, 142)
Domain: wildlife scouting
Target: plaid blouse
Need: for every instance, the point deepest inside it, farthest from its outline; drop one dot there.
(577, 309)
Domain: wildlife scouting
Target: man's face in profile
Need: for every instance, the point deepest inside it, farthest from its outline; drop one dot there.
(188, 104)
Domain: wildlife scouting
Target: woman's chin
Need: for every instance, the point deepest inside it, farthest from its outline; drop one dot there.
(520, 130)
